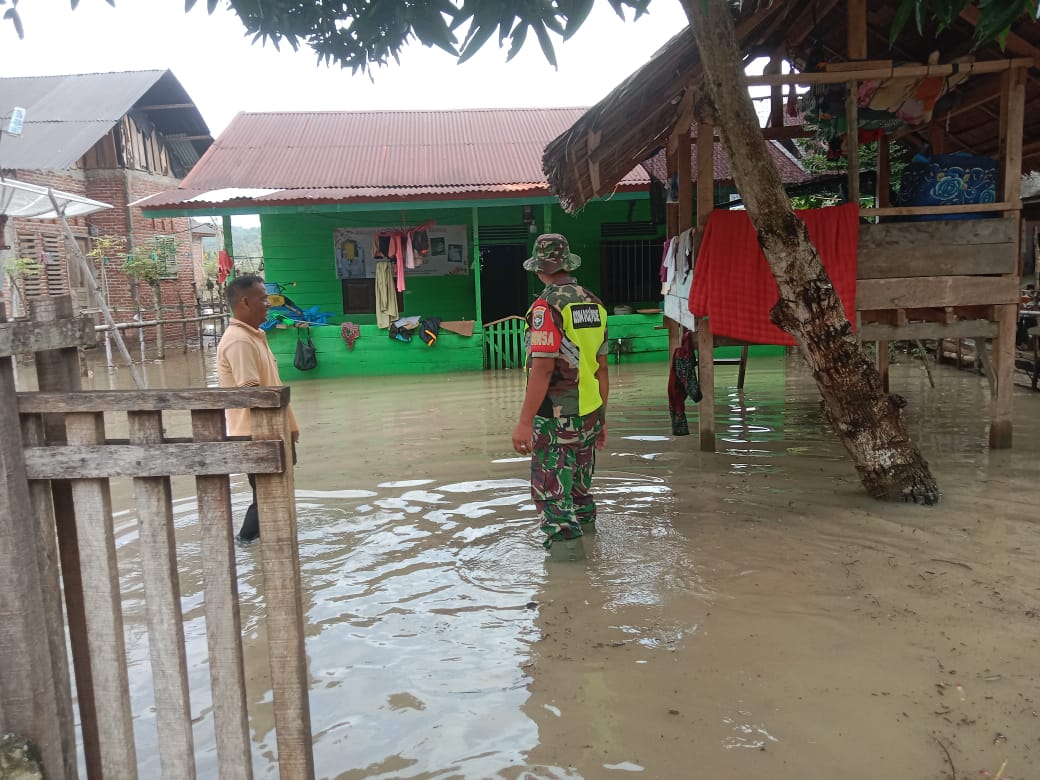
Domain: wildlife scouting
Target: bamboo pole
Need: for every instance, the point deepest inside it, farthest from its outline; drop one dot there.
(88, 273)
(889, 71)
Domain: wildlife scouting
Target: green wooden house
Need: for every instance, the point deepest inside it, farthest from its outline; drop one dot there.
(326, 185)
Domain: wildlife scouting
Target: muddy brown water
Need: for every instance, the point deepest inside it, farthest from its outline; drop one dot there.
(743, 614)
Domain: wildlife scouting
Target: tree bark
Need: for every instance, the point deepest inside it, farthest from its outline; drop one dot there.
(867, 421)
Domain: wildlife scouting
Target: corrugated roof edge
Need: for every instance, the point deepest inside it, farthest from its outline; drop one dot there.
(194, 201)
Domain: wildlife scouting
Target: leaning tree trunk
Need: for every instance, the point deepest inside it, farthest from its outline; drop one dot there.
(867, 420)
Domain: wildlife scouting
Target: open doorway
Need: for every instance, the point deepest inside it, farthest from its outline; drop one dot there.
(503, 282)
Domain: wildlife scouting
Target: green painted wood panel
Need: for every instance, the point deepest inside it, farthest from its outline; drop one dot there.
(375, 353)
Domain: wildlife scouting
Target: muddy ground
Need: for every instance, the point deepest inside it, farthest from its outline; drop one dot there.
(743, 614)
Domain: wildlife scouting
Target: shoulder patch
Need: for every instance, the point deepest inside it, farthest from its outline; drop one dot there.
(537, 317)
(586, 315)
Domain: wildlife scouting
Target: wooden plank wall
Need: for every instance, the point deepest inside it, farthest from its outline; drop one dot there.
(935, 279)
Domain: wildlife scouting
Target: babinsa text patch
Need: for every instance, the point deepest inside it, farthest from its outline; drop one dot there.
(586, 315)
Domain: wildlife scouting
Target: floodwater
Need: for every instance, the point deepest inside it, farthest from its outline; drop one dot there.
(748, 613)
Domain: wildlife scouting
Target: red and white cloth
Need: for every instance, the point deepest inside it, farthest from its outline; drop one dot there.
(732, 282)
(224, 266)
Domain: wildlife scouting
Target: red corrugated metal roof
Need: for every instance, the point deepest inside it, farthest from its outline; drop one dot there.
(335, 156)
(192, 198)
(381, 149)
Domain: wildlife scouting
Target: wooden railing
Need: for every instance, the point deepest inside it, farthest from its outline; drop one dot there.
(504, 343)
(58, 539)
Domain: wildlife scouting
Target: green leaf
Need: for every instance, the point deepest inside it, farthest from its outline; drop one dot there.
(430, 28)
(475, 40)
(545, 42)
(618, 6)
(12, 14)
(902, 15)
(579, 13)
(518, 37)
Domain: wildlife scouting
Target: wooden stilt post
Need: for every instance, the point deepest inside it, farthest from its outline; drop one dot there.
(1012, 116)
(32, 702)
(882, 364)
(672, 220)
(685, 206)
(477, 289)
(705, 340)
(857, 43)
(58, 370)
(884, 173)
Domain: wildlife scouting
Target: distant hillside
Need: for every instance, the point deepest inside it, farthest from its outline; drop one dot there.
(246, 241)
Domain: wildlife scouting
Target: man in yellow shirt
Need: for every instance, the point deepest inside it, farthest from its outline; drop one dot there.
(244, 359)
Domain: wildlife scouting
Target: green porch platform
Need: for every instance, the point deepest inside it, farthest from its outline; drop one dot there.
(375, 354)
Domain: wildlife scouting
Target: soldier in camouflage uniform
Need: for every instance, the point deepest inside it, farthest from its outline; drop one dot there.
(563, 416)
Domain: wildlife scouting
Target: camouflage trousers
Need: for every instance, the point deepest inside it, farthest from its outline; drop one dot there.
(563, 457)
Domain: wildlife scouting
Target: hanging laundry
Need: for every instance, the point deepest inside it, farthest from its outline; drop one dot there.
(386, 295)
(402, 329)
(409, 255)
(350, 332)
(429, 330)
(381, 246)
(734, 286)
(684, 252)
(682, 384)
(668, 265)
(420, 242)
(400, 273)
(461, 327)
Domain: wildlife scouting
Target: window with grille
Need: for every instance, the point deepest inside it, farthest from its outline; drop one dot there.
(630, 272)
(165, 253)
(47, 250)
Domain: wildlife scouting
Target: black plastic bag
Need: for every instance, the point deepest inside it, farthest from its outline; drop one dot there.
(306, 356)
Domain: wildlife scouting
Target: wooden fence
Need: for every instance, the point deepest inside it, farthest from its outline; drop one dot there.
(57, 534)
(504, 343)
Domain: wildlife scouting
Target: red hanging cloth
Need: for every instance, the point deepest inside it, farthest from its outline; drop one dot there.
(224, 266)
(732, 282)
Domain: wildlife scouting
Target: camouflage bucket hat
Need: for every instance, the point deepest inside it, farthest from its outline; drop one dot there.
(551, 253)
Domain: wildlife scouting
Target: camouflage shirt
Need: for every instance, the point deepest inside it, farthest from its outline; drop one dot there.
(568, 323)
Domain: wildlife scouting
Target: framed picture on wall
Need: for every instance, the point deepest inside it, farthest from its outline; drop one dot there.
(455, 254)
(437, 246)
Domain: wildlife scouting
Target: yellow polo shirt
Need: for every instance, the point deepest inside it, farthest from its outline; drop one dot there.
(244, 359)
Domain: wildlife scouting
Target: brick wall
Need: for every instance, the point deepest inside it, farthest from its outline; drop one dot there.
(118, 187)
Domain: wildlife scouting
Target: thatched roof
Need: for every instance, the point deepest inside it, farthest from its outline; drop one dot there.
(635, 120)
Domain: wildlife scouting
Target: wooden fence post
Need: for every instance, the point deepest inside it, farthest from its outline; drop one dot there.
(104, 608)
(163, 602)
(223, 622)
(283, 594)
(30, 697)
(58, 370)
